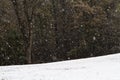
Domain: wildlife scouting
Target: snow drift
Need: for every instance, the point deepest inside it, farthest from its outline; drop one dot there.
(98, 68)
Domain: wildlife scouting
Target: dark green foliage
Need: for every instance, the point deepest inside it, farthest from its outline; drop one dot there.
(61, 30)
(11, 49)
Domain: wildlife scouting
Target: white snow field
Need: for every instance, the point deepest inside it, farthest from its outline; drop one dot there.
(97, 68)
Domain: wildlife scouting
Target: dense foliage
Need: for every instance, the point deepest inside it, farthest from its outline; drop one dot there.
(38, 31)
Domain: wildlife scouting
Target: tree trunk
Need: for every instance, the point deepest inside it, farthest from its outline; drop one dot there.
(25, 27)
(29, 48)
(55, 25)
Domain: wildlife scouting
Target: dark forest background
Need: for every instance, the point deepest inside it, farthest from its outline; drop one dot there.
(40, 31)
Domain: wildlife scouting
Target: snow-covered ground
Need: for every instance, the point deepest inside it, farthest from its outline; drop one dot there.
(99, 68)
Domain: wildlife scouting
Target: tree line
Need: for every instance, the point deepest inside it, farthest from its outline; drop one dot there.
(39, 31)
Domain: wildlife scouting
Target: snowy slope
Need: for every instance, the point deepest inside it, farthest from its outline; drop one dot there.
(99, 68)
